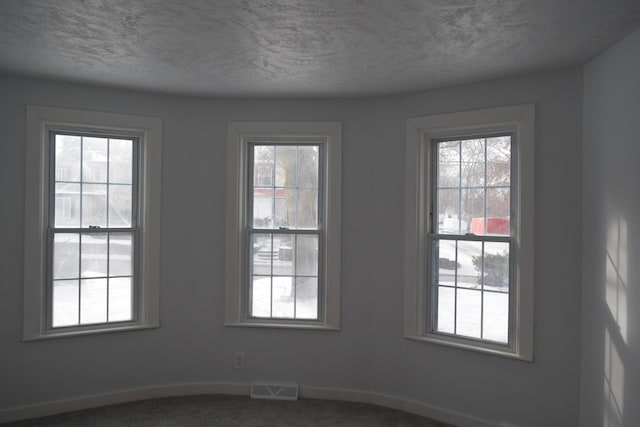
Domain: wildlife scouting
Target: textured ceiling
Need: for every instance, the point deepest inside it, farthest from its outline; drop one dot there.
(303, 47)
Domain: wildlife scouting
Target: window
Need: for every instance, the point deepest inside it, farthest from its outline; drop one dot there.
(91, 243)
(283, 224)
(469, 278)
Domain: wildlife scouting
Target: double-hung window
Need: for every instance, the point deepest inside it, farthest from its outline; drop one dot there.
(91, 248)
(469, 230)
(92, 229)
(283, 224)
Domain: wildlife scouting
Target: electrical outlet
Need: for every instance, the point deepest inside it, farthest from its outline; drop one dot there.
(238, 360)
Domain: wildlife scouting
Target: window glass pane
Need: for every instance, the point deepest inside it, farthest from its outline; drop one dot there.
(286, 166)
(263, 175)
(94, 255)
(263, 207)
(495, 322)
(263, 156)
(120, 254)
(496, 266)
(446, 262)
(65, 303)
(308, 158)
(66, 256)
(94, 159)
(120, 298)
(307, 298)
(449, 164)
(472, 211)
(67, 205)
(472, 163)
(261, 254)
(283, 297)
(446, 309)
(94, 205)
(469, 264)
(449, 213)
(468, 308)
(261, 296)
(499, 161)
(283, 251)
(120, 205)
(120, 161)
(67, 158)
(93, 301)
(498, 211)
(308, 209)
(286, 208)
(307, 255)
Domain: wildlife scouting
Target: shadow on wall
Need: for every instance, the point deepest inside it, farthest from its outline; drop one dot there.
(615, 322)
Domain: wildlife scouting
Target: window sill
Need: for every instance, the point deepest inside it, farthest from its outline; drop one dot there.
(282, 325)
(461, 343)
(74, 332)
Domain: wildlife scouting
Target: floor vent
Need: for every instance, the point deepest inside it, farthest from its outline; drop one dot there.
(274, 391)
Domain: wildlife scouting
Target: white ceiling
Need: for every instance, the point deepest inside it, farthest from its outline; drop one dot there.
(303, 47)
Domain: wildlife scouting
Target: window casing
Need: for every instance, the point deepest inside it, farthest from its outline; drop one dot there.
(469, 232)
(92, 222)
(283, 224)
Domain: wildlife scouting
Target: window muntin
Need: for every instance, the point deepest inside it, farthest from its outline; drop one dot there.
(472, 233)
(92, 229)
(285, 231)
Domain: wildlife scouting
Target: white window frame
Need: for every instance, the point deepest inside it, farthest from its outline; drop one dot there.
(41, 121)
(240, 135)
(420, 134)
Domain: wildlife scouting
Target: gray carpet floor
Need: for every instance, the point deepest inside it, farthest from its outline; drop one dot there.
(219, 410)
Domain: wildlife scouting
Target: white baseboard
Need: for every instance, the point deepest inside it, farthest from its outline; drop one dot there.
(114, 398)
(394, 402)
(310, 392)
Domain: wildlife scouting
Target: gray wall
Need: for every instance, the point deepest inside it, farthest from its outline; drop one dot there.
(610, 388)
(369, 352)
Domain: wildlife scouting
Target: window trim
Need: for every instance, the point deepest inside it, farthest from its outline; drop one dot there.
(239, 135)
(420, 131)
(40, 121)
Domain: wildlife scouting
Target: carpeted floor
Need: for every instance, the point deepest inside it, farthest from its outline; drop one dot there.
(195, 411)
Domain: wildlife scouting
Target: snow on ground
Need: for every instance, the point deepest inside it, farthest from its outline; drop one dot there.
(91, 301)
(479, 314)
(279, 301)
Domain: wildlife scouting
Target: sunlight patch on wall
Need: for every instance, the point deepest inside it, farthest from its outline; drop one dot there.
(615, 333)
(617, 272)
(613, 384)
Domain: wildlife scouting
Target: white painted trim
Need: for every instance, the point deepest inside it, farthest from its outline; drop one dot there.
(239, 389)
(39, 121)
(395, 402)
(238, 134)
(421, 130)
(116, 397)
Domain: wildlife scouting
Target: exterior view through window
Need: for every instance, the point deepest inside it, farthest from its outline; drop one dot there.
(284, 224)
(471, 237)
(92, 229)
